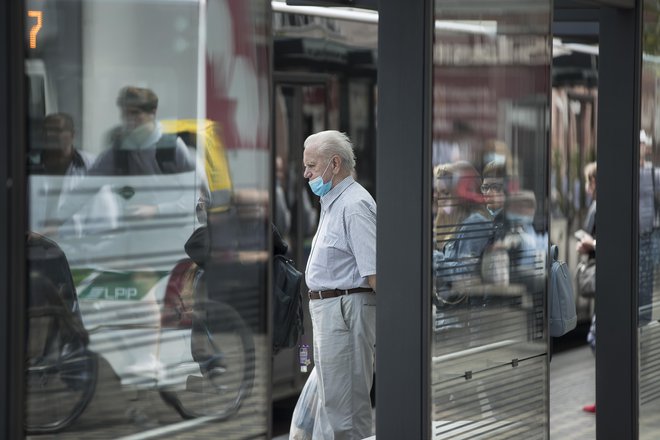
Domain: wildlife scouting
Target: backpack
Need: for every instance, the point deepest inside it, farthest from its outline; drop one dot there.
(561, 301)
(287, 303)
(166, 149)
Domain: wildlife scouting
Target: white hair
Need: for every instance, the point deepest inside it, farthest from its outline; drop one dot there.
(333, 142)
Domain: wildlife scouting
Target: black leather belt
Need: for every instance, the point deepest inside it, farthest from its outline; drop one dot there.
(322, 294)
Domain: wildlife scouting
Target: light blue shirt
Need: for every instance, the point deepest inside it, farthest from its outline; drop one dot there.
(343, 251)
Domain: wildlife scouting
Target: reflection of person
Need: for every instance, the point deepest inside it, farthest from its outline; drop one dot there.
(137, 148)
(462, 231)
(527, 250)
(282, 211)
(493, 187)
(646, 217)
(56, 156)
(462, 227)
(495, 264)
(341, 276)
(587, 246)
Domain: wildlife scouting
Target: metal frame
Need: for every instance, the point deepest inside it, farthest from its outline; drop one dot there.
(618, 182)
(12, 222)
(405, 40)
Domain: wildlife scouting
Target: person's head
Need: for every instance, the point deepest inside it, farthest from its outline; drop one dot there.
(495, 151)
(456, 189)
(279, 169)
(590, 178)
(442, 187)
(58, 133)
(328, 155)
(137, 106)
(521, 206)
(493, 185)
(645, 147)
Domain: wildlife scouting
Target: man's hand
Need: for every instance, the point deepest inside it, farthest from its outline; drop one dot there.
(586, 245)
(371, 279)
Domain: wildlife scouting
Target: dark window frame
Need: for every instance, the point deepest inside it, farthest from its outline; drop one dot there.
(405, 42)
(619, 98)
(13, 222)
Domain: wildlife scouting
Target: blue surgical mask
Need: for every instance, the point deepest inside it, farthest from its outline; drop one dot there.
(318, 187)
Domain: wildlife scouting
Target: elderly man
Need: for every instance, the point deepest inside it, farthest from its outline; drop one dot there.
(341, 276)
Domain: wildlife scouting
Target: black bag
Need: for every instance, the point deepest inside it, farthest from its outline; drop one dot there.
(287, 303)
(585, 275)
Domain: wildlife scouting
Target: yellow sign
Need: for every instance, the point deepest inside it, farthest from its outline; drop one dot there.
(34, 30)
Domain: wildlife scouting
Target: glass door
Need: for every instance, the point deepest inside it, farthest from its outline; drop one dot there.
(300, 110)
(491, 103)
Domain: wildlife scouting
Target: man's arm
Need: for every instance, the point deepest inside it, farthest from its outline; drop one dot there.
(371, 279)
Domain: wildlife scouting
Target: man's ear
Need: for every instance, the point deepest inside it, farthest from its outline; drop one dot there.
(337, 164)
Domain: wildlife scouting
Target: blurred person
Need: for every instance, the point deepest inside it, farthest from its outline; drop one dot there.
(447, 213)
(55, 155)
(282, 211)
(526, 250)
(462, 230)
(586, 245)
(495, 264)
(646, 218)
(462, 225)
(341, 276)
(58, 155)
(138, 147)
(309, 211)
(492, 187)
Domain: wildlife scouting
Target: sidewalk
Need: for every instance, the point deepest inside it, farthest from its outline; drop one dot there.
(572, 385)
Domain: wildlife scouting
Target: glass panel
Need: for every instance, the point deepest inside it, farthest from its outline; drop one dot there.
(649, 227)
(490, 123)
(149, 159)
(299, 112)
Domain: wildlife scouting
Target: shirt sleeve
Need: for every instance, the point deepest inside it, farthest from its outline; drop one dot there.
(361, 235)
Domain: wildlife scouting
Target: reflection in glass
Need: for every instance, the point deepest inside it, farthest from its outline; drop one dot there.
(148, 164)
(491, 99)
(649, 228)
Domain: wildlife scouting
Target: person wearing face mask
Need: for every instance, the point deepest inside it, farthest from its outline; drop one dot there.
(341, 277)
(138, 146)
(461, 232)
(526, 249)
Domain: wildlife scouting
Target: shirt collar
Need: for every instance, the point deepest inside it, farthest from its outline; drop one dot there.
(336, 191)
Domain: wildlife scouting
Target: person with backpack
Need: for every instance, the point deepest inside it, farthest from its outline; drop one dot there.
(138, 146)
(341, 277)
(586, 245)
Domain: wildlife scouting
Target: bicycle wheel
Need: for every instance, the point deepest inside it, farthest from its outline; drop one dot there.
(60, 372)
(223, 348)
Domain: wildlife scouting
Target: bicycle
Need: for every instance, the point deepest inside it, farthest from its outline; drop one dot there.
(214, 382)
(60, 372)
